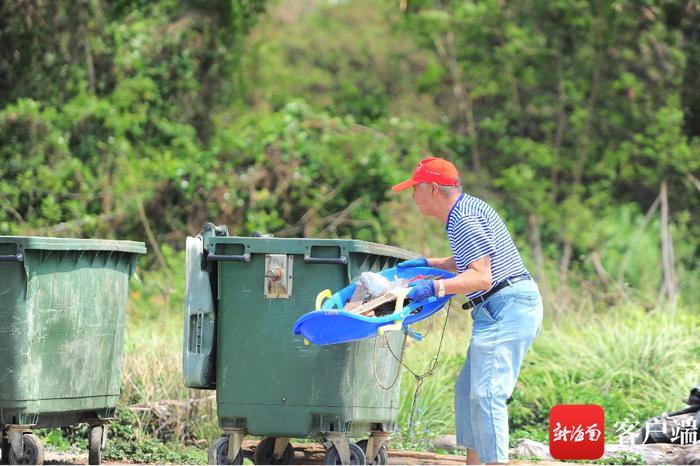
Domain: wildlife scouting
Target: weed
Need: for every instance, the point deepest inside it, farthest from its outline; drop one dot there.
(622, 457)
(54, 438)
(528, 458)
(150, 451)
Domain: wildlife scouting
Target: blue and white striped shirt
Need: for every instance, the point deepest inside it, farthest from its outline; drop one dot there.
(475, 230)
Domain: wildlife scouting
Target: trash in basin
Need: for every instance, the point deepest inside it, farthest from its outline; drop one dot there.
(336, 321)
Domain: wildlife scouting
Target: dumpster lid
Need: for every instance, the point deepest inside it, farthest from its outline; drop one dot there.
(301, 245)
(65, 244)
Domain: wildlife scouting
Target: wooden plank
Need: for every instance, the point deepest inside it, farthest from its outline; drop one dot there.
(387, 297)
(391, 295)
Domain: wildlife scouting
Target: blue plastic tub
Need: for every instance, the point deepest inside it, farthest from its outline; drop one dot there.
(332, 324)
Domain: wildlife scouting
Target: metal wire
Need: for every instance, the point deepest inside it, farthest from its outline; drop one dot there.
(374, 360)
(419, 377)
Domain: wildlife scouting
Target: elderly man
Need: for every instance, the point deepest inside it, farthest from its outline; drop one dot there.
(505, 302)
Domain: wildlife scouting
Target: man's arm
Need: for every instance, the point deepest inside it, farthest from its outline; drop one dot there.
(477, 277)
(444, 263)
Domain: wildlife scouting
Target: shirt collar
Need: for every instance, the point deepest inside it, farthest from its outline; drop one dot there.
(449, 216)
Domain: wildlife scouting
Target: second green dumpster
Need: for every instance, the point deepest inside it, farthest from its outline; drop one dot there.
(61, 338)
(239, 340)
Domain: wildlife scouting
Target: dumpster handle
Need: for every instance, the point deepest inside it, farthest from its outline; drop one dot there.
(12, 258)
(229, 258)
(342, 260)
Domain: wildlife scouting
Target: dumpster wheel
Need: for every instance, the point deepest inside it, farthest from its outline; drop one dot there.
(4, 449)
(33, 451)
(357, 456)
(265, 452)
(218, 452)
(382, 455)
(96, 442)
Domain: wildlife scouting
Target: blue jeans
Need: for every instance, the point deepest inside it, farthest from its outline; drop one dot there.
(505, 325)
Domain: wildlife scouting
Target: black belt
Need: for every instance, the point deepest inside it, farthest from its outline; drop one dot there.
(507, 282)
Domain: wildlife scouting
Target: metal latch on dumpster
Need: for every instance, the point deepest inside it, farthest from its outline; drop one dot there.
(278, 275)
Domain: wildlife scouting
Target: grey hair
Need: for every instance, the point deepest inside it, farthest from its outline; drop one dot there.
(449, 190)
(444, 189)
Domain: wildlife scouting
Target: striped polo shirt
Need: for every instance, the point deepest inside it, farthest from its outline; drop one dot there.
(475, 230)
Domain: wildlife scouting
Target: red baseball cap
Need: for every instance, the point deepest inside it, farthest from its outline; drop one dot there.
(432, 169)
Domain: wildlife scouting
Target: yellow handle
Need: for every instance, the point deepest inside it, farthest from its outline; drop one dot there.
(306, 342)
(319, 298)
(387, 328)
(401, 294)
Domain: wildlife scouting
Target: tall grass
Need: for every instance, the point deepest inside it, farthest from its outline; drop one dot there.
(153, 390)
(433, 414)
(154, 400)
(635, 364)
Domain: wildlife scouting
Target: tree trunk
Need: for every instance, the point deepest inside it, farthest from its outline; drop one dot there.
(599, 269)
(667, 248)
(565, 260)
(536, 241)
(561, 126)
(694, 180)
(89, 64)
(584, 153)
(647, 218)
(466, 121)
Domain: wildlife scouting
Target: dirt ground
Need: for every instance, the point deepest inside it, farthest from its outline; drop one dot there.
(307, 453)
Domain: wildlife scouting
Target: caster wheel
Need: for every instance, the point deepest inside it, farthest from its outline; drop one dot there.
(4, 450)
(95, 444)
(382, 455)
(265, 453)
(218, 452)
(33, 451)
(357, 456)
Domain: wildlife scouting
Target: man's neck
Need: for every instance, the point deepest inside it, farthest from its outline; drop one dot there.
(450, 202)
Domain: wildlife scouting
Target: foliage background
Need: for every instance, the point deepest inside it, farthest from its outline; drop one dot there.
(144, 119)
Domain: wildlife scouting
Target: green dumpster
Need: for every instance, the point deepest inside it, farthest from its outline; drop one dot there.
(239, 340)
(62, 309)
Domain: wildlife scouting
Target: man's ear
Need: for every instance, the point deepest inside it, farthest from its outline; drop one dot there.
(433, 187)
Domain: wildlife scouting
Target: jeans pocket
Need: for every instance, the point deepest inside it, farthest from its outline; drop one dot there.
(493, 308)
(480, 314)
(527, 300)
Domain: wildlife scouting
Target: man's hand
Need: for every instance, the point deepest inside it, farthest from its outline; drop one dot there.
(420, 262)
(421, 290)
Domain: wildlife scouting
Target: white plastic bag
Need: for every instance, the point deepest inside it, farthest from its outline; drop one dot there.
(375, 284)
